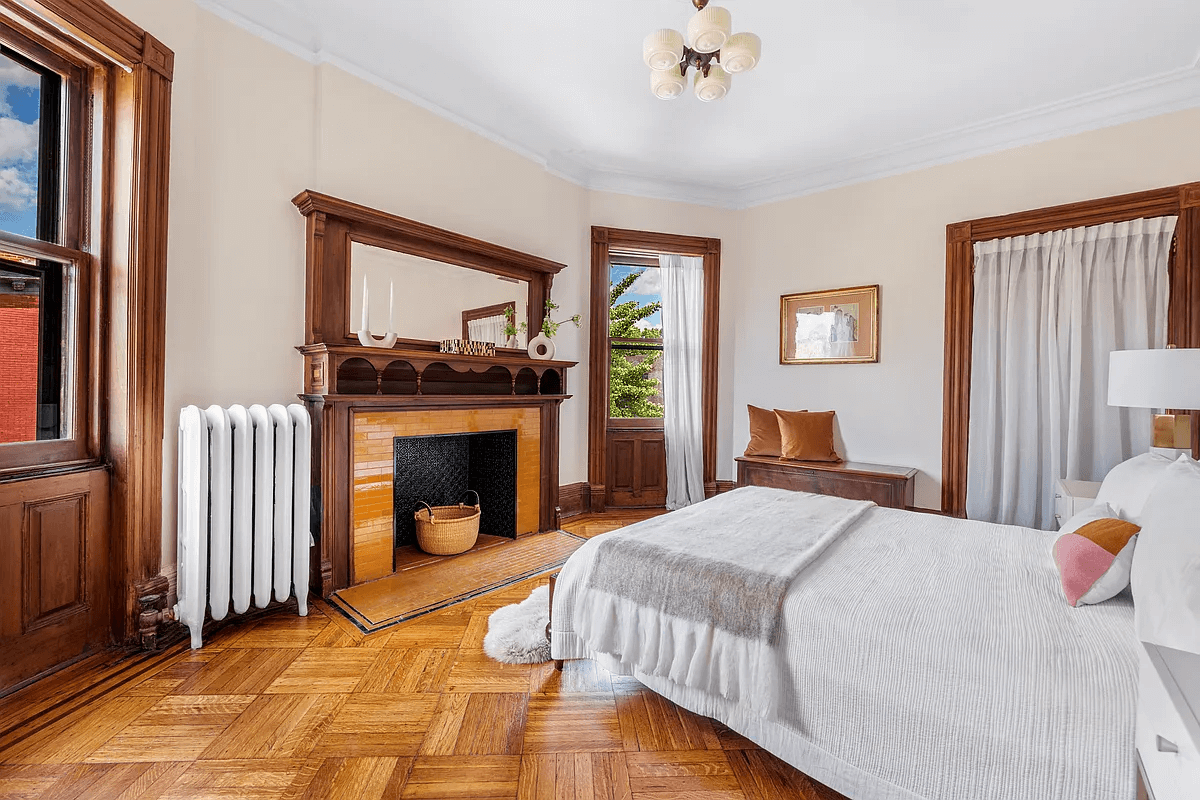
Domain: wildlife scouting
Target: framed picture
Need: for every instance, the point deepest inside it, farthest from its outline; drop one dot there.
(840, 326)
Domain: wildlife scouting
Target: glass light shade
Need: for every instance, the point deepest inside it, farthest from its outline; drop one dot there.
(1155, 379)
(715, 86)
(709, 29)
(741, 53)
(663, 49)
(667, 84)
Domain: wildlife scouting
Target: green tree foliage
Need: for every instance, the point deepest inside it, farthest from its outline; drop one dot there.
(630, 384)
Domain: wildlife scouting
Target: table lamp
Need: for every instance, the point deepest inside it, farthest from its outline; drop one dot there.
(1161, 379)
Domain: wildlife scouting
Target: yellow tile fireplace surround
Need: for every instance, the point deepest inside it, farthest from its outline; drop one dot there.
(372, 534)
(354, 469)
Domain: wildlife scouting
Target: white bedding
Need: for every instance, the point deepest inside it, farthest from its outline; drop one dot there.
(932, 658)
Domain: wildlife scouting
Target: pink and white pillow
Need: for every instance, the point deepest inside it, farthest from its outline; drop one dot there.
(1094, 554)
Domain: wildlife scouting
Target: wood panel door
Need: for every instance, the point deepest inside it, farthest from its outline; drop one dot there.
(54, 574)
(637, 468)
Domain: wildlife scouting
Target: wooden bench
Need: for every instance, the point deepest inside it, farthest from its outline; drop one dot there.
(892, 487)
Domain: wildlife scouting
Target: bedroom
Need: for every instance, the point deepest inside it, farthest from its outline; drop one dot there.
(264, 109)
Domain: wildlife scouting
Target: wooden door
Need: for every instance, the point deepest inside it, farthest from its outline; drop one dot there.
(637, 468)
(54, 575)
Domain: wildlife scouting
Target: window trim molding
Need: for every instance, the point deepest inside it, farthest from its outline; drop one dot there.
(604, 239)
(123, 215)
(1183, 308)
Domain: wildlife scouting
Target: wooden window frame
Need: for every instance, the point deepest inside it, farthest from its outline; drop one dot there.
(605, 240)
(80, 447)
(484, 312)
(1183, 324)
(115, 232)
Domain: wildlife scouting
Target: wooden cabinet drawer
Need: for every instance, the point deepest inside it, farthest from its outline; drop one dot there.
(886, 486)
(796, 480)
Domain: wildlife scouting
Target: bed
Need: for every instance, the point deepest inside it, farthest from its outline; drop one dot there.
(915, 656)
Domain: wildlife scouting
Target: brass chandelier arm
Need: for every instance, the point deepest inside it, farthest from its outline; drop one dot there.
(701, 61)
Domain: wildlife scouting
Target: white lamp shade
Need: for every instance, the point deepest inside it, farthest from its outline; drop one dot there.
(1168, 379)
(715, 86)
(741, 53)
(709, 29)
(663, 49)
(667, 84)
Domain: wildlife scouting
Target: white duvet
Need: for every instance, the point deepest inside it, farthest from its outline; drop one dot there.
(933, 658)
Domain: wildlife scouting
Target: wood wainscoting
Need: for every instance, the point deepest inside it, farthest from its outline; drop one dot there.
(81, 515)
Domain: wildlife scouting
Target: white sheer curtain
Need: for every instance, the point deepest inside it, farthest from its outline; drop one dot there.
(1049, 308)
(683, 343)
(487, 329)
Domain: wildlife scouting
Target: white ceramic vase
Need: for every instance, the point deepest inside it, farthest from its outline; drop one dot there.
(541, 347)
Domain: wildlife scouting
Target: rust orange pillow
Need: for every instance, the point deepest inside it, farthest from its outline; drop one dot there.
(807, 435)
(764, 433)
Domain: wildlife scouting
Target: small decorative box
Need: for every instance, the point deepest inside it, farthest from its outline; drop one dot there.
(466, 347)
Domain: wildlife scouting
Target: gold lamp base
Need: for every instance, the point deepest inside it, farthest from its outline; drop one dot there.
(1173, 431)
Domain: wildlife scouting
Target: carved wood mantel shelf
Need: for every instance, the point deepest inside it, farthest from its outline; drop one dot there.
(349, 369)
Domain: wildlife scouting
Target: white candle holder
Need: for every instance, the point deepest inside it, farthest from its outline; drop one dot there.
(365, 337)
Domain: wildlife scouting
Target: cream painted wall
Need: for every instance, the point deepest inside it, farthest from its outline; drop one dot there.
(893, 232)
(252, 126)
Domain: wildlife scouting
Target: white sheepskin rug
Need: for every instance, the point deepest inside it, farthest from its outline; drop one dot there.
(517, 633)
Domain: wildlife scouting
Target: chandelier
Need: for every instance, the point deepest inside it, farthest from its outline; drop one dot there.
(709, 48)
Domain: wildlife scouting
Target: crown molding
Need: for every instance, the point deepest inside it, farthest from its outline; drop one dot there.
(1175, 90)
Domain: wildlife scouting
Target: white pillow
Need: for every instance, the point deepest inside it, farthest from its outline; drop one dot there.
(1089, 514)
(1129, 483)
(1166, 564)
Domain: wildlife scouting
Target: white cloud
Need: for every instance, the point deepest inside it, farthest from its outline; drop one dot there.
(18, 140)
(649, 282)
(16, 194)
(646, 324)
(14, 76)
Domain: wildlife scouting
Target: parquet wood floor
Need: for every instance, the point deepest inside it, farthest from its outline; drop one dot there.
(291, 708)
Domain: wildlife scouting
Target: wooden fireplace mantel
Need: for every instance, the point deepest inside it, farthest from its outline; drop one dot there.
(363, 397)
(354, 369)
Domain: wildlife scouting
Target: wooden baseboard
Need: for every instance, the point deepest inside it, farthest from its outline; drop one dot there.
(574, 499)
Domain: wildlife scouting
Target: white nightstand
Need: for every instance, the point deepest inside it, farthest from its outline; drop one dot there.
(1071, 497)
(1168, 722)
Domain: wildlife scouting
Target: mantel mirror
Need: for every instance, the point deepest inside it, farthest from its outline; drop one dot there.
(445, 285)
(432, 300)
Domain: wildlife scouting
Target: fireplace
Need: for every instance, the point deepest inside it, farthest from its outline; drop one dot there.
(441, 469)
(461, 443)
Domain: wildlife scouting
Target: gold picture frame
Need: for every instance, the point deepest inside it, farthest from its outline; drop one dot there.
(839, 326)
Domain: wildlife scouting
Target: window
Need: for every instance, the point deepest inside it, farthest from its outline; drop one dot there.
(30, 136)
(41, 319)
(635, 340)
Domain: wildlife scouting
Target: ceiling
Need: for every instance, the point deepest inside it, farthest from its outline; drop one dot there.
(846, 91)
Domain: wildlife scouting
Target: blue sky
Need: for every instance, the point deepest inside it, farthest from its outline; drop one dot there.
(645, 290)
(20, 100)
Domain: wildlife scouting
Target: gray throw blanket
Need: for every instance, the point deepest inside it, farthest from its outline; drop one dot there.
(726, 562)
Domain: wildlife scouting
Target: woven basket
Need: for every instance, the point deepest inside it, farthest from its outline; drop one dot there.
(448, 530)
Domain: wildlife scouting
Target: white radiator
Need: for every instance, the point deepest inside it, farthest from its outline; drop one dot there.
(244, 484)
